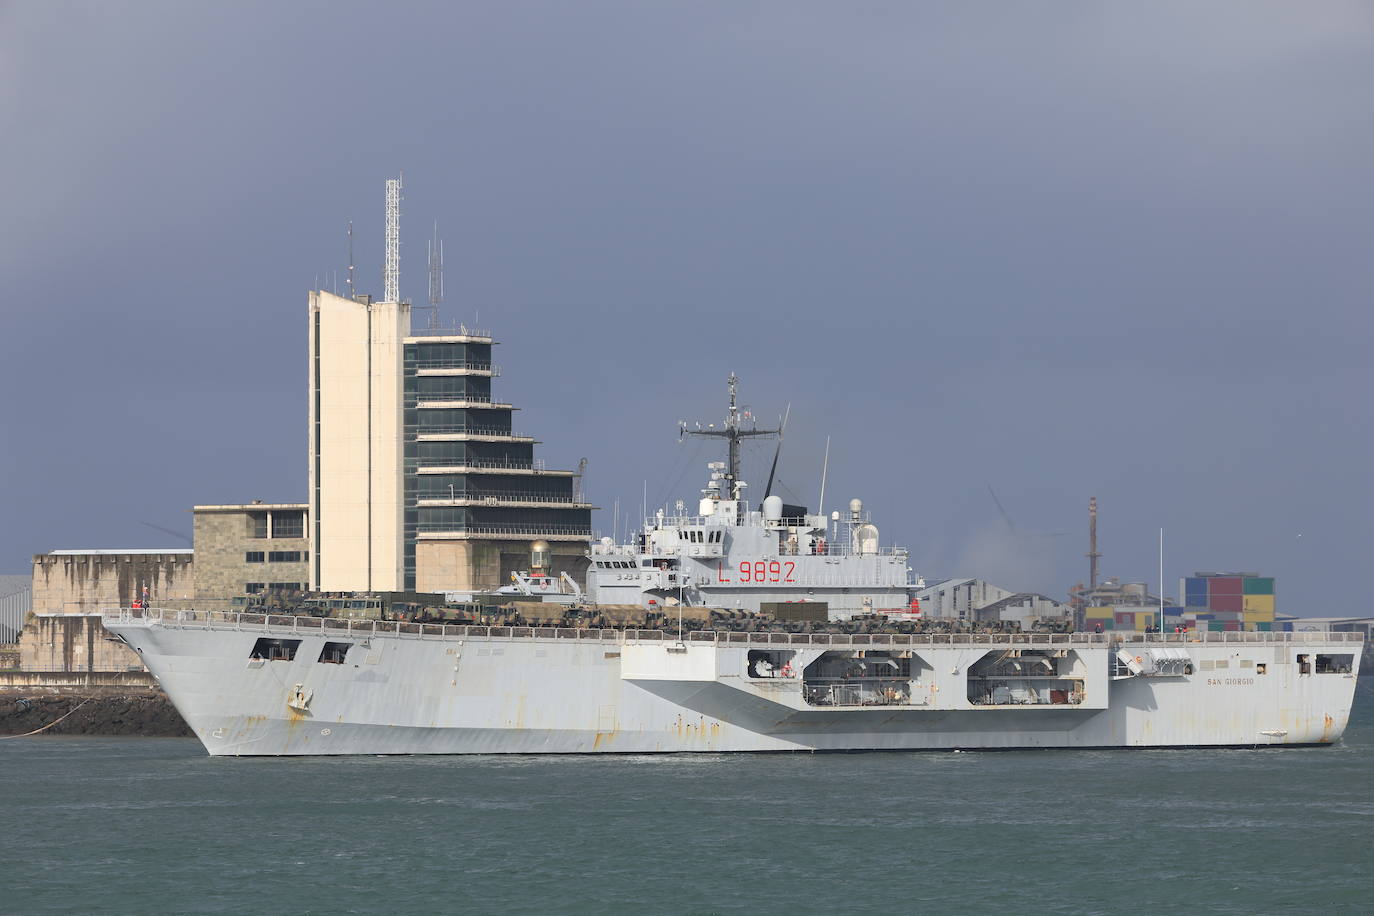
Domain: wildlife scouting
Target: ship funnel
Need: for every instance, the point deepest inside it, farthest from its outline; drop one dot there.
(866, 539)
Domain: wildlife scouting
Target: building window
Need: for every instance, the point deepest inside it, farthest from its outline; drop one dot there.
(253, 556)
(252, 588)
(257, 524)
(284, 556)
(284, 586)
(288, 523)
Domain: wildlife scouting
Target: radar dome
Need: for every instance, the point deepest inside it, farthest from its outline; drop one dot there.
(772, 509)
(856, 509)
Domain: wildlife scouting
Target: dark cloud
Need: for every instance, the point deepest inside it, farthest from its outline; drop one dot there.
(1066, 249)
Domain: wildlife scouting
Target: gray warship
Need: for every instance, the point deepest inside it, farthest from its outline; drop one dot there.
(733, 555)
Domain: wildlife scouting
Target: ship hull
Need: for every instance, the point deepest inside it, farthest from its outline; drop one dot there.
(406, 689)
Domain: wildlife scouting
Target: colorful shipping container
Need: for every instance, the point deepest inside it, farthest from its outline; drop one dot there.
(1224, 585)
(1195, 592)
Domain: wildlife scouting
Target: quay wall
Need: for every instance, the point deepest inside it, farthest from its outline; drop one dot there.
(73, 642)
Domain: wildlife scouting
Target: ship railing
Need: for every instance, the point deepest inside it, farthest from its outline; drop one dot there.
(364, 627)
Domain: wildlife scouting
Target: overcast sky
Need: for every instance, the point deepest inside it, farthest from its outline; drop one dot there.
(1060, 249)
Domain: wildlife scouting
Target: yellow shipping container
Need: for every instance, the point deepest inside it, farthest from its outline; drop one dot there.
(1259, 604)
(1258, 617)
(1099, 613)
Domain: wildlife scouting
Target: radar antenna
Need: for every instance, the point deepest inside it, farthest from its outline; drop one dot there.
(732, 433)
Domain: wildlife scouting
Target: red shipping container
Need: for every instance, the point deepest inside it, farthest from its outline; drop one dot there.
(1125, 619)
(1224, 585)
(1233, 603)
(1230, 625)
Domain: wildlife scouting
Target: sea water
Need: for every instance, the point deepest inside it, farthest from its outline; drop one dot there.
(154, 825)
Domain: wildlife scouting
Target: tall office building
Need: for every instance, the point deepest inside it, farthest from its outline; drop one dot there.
(417, 480)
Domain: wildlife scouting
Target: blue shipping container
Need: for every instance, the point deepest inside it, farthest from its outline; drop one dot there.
(1195, 592)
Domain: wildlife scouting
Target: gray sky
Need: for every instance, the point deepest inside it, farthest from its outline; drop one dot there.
(1063, 249)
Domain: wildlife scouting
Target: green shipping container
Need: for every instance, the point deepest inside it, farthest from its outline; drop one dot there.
(1216, 626)
(1265, 626)
(1259, 585)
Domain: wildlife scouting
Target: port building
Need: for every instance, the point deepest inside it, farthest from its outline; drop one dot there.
(418, 480)
(248, 549)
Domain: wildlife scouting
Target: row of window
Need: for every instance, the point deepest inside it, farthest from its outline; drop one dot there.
(430, 486)
(253, 588)
(432, 518)
(448, 385)
(272, 556)
(277, 523)
(440, 354)
(512, 454)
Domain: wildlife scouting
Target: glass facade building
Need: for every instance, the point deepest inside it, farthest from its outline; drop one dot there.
(466, 473)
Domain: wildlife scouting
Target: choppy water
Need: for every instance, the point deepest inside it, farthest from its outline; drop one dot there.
(140, 825)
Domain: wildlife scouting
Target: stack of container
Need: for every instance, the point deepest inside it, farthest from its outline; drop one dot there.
(1108, 617)
(1228, 601)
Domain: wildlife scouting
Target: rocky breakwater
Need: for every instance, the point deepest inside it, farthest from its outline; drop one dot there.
(86, 703)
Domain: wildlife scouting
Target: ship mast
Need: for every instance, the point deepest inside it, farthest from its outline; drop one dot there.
(732, 434)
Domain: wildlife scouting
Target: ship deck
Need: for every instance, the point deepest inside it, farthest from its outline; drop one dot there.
(219, 620)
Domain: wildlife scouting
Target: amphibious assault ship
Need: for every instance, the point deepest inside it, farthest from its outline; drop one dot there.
(669, 676)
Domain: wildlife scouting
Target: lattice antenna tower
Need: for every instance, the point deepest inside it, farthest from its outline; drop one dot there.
(436, 278)
(391, 272)
(351, 291)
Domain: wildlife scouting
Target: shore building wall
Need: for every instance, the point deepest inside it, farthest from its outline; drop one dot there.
(84, 581)
(244, 549)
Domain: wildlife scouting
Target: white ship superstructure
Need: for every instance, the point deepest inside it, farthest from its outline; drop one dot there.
(266, 685)
(734, 555)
